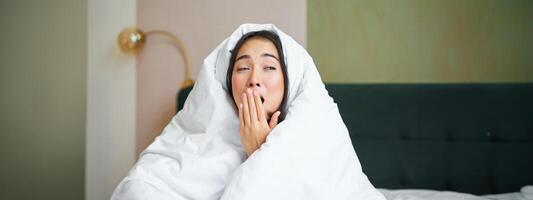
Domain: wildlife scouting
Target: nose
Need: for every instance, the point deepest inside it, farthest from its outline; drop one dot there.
(253, 81)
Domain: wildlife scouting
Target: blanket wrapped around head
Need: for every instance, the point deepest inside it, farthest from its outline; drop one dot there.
(199, 155)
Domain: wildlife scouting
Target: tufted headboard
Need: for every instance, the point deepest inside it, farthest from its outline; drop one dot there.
(473, 138)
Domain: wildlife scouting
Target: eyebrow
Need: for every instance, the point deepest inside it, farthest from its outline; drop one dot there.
(262, 55)
(242, 57)
(269, 55)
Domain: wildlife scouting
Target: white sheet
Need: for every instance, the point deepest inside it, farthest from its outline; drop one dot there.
(199, 155)
(506, 196)
(526, 193)
(427, 195)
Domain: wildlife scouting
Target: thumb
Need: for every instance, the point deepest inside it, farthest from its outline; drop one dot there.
(274, 119)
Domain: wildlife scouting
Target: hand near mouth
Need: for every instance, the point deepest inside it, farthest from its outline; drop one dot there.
(254, 127)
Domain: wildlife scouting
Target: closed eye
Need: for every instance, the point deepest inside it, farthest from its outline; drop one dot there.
(270, 68)
(242, 69)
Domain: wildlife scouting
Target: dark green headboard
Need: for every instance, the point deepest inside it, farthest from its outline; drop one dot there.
(474, 138)
(181, 97)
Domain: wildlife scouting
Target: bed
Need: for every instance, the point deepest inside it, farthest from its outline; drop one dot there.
(440, 141)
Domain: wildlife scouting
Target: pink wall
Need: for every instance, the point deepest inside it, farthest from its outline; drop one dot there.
(201, 25)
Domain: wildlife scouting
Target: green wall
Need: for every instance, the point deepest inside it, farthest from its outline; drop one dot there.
(418, 41)
(42, 105)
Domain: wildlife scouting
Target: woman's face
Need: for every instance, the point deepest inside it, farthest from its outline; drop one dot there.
(257, 68)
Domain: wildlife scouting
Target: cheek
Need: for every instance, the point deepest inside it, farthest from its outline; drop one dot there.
(237, 87)
(276, 87)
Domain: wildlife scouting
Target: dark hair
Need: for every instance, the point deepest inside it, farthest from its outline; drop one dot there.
(274, 38)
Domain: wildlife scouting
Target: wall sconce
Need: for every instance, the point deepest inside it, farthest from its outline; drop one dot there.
(131, 40)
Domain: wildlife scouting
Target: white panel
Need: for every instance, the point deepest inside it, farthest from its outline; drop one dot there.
(110, 98)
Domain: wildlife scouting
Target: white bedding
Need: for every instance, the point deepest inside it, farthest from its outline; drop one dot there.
(506, 196)
(427, 195)
(526, 193)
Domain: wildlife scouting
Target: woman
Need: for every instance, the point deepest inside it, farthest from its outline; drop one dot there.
(251, 81)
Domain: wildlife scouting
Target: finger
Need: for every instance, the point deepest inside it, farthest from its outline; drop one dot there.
(274, 119)
(251, 104)
(241, 119)
(246, 111)
(259, 106)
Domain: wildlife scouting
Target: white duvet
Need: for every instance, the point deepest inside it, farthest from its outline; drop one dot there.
(199, 155)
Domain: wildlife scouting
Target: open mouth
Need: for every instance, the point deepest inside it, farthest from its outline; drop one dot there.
(262, 100)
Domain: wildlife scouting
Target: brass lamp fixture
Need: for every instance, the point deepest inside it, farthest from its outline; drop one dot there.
(131, 40)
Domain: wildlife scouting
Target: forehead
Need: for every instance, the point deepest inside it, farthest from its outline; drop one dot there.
(258, 45)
